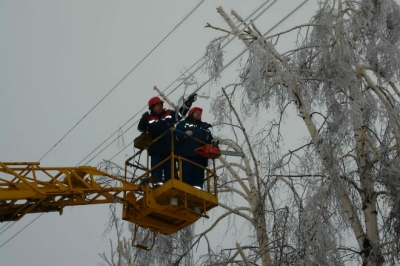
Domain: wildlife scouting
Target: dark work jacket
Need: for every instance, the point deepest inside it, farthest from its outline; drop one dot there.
(186, 146)
(157, 125)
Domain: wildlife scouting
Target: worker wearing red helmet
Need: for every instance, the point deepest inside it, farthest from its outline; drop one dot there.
(195, 130)
(156, 122)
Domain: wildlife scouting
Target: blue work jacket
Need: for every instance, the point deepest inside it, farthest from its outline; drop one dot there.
(186, 145)
(159, 124)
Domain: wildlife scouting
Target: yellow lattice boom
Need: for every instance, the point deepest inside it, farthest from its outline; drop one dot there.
(26, 187)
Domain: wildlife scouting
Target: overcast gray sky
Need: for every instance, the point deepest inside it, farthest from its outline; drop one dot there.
(58, 59)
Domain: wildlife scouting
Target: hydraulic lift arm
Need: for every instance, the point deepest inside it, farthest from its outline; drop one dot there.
(26, 187)
(30, 188)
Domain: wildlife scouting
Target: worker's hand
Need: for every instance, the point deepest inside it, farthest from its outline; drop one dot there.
(192, 98)
(214, 142)
(189, 133)
(146, 116)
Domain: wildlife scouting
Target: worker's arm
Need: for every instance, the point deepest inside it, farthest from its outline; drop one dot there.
(144, 122)
(185, 107)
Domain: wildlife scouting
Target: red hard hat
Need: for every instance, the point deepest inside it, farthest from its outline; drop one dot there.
(153, 101)
(195, 109)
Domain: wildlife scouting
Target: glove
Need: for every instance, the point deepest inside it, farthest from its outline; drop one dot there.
(214, 142)
(189, 133)
(146, 116)
(192, 98)
(181, 136)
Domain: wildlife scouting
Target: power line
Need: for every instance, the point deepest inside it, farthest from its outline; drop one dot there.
(20, 230)
(236, 57)
(222, 69)
(224, 47)
(112, 89)
(197, 69)
(191, 74)
(6, 225)
(102, 99)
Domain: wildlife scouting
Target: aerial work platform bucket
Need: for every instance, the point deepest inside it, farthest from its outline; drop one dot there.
(170, 207)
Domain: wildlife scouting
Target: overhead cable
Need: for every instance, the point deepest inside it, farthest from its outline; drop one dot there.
(222, 69)
(240, 54)
(191, 74)
(102, 99)
(221, 48)
(138, 64)
(247, 48)
(20, 230)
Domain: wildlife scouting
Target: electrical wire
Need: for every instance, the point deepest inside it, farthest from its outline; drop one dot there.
(247, 48)
(113, 88)
(6, 225)
(230, 62)
(105, 96)
(200, 87)
(221, 50)
(182, 75)
(14, 235)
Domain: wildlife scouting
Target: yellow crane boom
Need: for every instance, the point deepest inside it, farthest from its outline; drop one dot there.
(29, 188)
(26, 187)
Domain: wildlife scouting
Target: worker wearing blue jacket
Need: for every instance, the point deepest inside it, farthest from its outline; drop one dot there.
(158, 121)
(195, 130)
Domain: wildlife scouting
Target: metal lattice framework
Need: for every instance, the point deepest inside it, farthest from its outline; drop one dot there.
(26, 187)
(30, 188)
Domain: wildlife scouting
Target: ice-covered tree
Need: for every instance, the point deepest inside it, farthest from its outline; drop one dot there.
(334, 197)
(342, 184)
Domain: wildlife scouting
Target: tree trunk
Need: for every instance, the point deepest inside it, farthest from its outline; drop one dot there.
(260, 225)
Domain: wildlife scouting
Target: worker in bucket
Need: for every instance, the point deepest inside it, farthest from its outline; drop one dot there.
(158, 121)
(197, 134)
